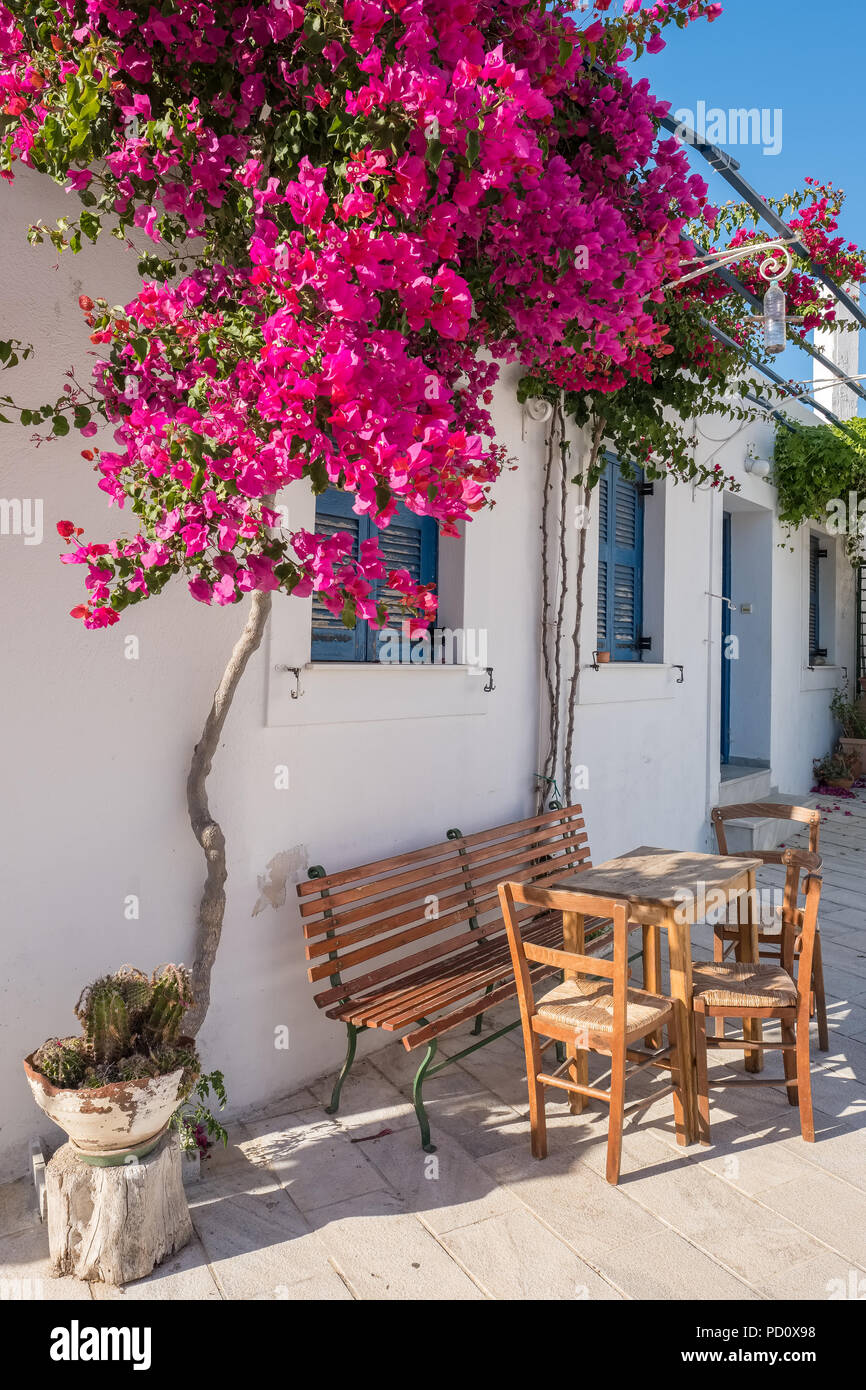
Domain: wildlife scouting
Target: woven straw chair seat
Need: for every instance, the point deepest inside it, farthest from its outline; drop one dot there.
(588, 1004)
(743, 985)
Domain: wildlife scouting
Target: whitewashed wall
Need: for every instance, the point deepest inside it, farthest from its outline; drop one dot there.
(650, 744)
(96, 746)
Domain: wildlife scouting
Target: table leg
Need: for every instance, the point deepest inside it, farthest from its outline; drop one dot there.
(750, 951)
(680, 953)
(574, 939)
(652, 970)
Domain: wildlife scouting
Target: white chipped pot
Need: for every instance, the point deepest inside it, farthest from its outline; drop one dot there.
(106, 1124)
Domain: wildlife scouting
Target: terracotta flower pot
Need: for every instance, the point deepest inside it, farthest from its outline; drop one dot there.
(843, 783)
(107, 1124)
(857, 746)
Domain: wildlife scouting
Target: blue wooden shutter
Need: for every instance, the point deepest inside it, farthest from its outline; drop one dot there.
(620, 604)
(603, 533)
(815, 649)
(332, 640)
(410, 543)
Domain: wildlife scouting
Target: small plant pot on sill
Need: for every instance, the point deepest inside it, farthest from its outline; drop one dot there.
(602, 658)
(110, 1124)
(856, 746)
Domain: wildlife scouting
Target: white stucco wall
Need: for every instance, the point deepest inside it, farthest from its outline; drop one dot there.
(96, 746)
(651, 745)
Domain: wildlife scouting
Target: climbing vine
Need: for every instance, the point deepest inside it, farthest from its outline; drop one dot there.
(820, 474)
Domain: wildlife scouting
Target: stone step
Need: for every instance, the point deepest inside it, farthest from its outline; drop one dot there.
(766, 833)
(748, 782)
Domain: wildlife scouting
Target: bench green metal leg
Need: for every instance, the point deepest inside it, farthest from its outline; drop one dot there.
(351, 1043)
(476, 1027)
(417, 1098)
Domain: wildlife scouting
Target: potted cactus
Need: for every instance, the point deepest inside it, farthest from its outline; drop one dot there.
(114, 1088)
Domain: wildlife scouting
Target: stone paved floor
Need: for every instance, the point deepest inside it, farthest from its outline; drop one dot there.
(297, 1208)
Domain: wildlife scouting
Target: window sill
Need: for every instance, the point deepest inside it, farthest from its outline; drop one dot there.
(362, 692)
(617, 685)
(821, 677)
(394, 666)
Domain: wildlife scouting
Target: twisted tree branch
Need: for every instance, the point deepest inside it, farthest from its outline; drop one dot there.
(206, 830)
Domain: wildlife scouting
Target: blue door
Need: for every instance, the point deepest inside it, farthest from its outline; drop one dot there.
(726, 633)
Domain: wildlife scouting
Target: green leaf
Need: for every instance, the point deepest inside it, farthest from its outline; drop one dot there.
(60, 425)
(348, 616)
(90, 224)
(435, 151)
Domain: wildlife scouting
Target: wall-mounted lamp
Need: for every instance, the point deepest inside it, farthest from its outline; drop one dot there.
(759, 468)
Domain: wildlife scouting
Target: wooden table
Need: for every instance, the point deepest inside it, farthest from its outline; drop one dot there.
(663, 888)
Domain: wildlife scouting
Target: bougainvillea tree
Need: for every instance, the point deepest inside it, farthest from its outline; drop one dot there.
(346, 217)
(649, 421)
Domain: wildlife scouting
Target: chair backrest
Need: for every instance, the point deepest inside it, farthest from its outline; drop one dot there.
(513, 895)
(405, 912)
(800, 924)
(765, 810)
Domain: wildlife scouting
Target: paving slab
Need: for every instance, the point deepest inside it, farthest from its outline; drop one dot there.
(386, 1253)
(25, 1270)
(18, 1206)
(312, 1157)
(183, 1276)
(447, 1189)
(826, 1277)
(516, 1257)
(260, 1247)
(665, 1266)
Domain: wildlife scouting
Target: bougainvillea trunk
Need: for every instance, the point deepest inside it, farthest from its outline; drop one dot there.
(207, 831)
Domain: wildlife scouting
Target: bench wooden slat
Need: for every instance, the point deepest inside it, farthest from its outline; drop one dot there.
(371, 888)
(493, 971)
(452, 943)
(356, 916)
(361, 900)
(452, 877)
(379, 867)
(425, 992)
(482, 893)
(444, 1025)
(569, 816)
(309, 887)
(504, 992)
(428, 927)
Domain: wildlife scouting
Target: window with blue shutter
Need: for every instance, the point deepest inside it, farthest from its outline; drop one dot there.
(620, 563)
(816, 554)
(410, 543)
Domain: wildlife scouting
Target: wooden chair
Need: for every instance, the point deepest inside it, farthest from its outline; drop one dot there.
(724, 935)
(753, 991)
(591, 1010)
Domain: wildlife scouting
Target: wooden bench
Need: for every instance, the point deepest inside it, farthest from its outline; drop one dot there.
(416, 943)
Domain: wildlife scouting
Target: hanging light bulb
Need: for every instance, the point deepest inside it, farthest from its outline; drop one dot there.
(775, 330)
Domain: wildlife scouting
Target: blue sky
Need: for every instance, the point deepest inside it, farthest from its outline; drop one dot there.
(802, 58)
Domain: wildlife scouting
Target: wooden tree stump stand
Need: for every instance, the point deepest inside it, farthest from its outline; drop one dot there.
(113, 1225)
